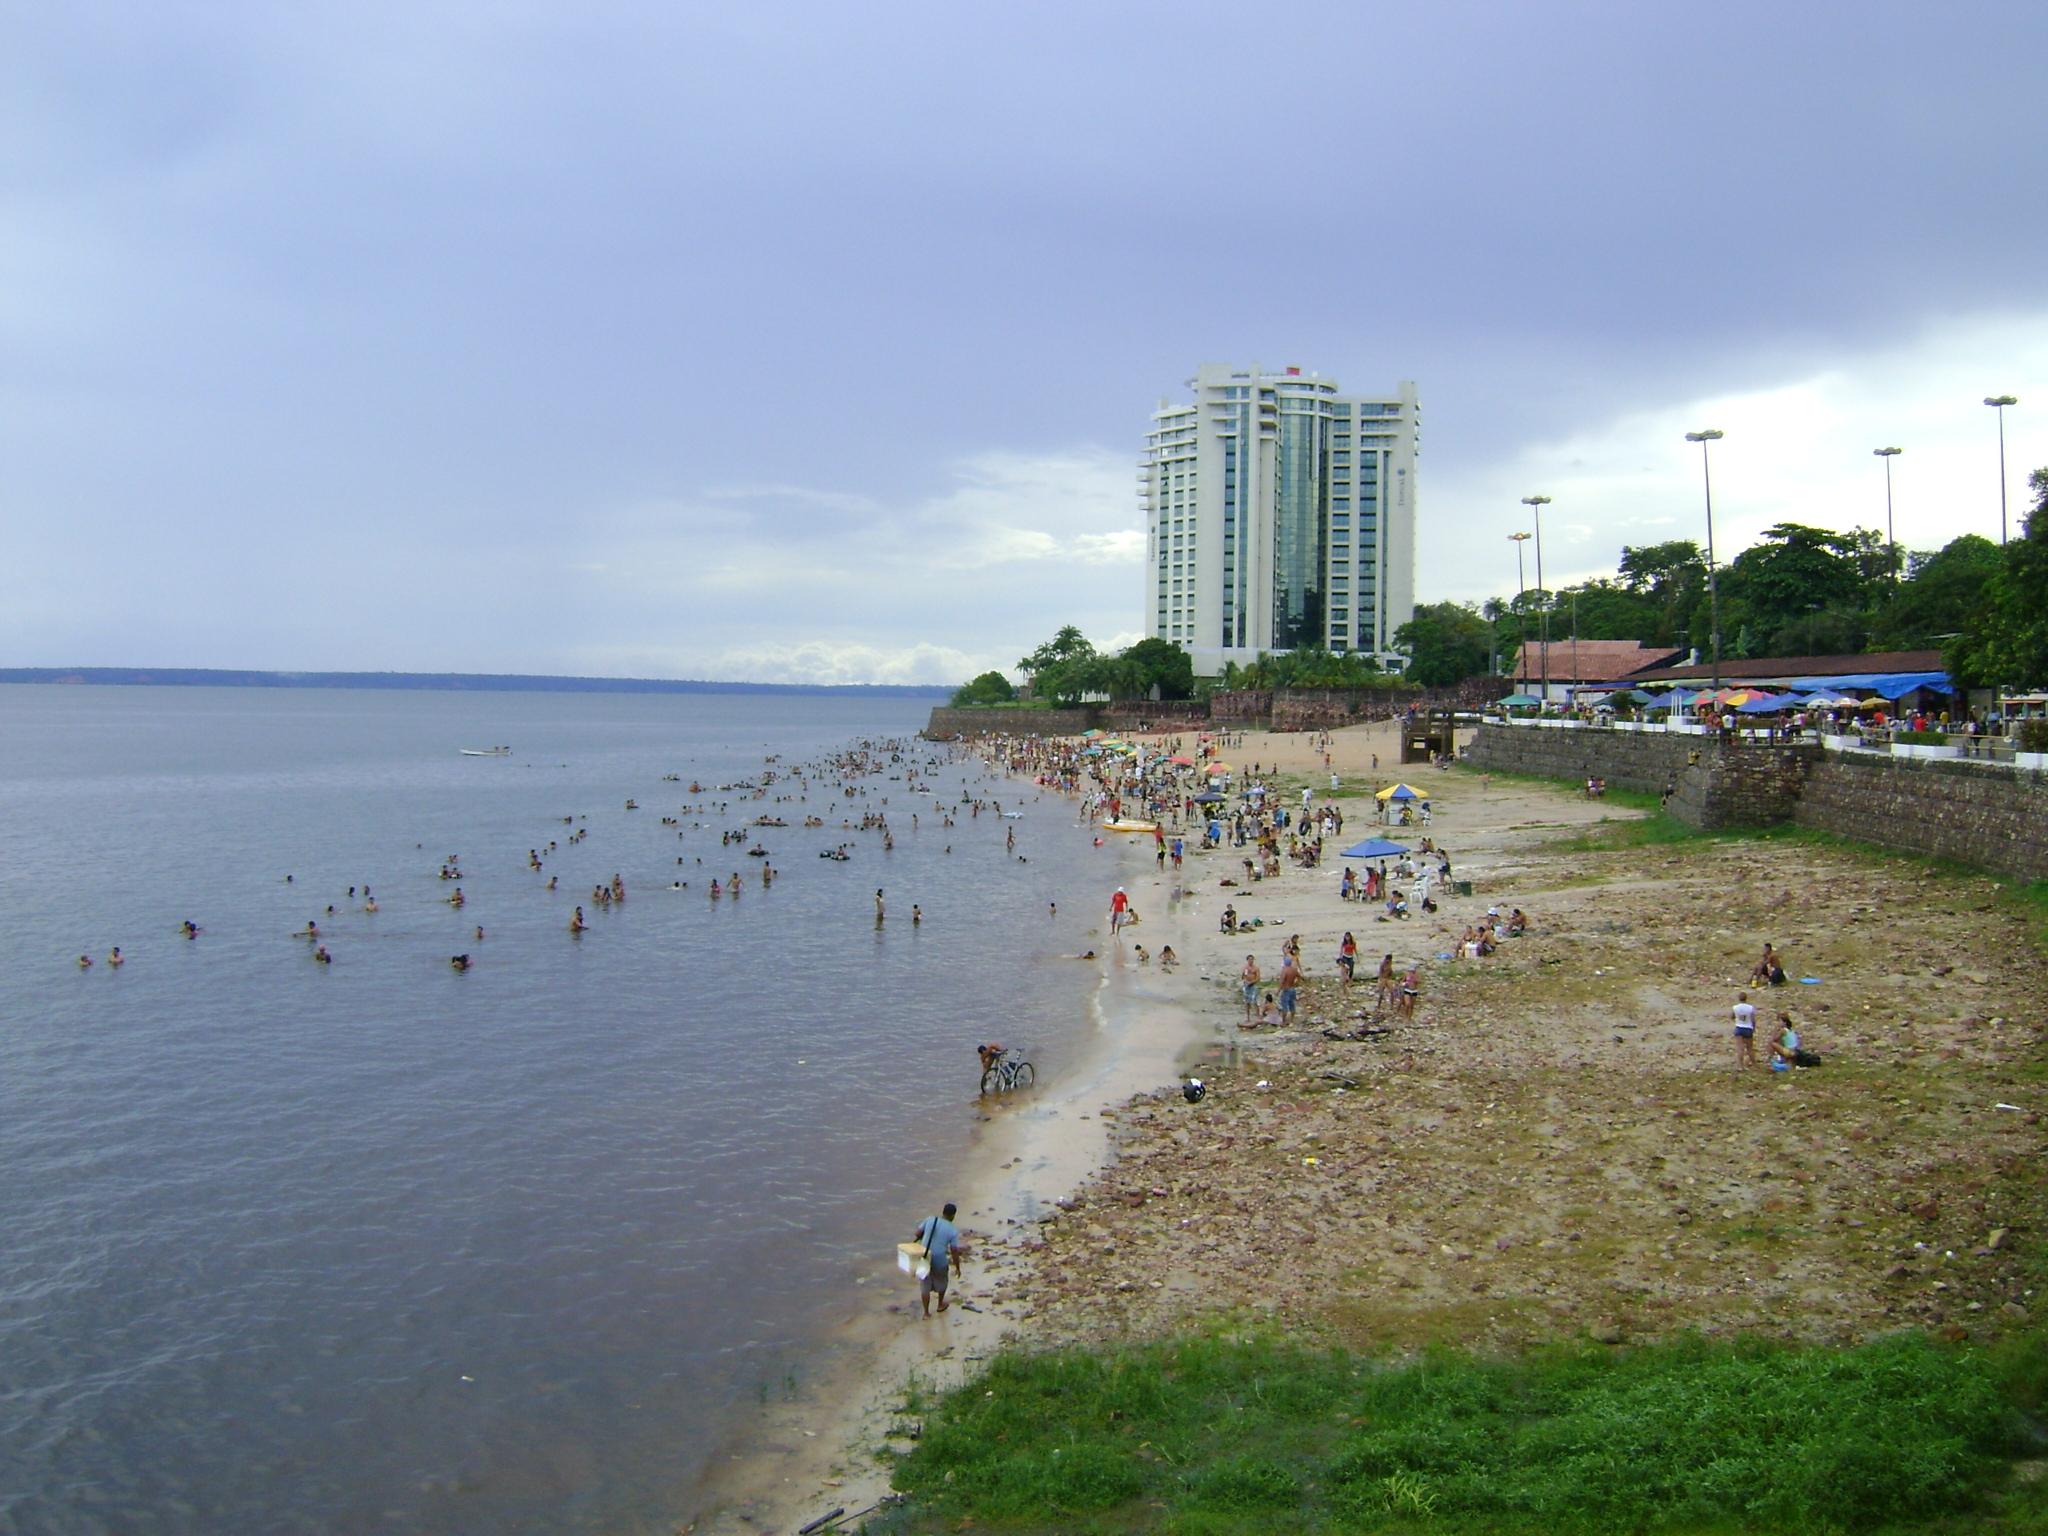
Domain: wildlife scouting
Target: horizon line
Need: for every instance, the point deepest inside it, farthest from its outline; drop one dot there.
(535, 682)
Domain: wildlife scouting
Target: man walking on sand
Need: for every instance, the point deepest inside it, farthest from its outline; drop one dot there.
(1119, 906)
(942, 1250)
(1745, 1031)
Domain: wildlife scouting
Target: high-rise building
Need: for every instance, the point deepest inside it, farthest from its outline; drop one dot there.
(1279, 514)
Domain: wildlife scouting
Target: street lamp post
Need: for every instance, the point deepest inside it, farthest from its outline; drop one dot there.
(1521, 614)
(1536, 504)
(1709, 435)
(2001, 402)
(1891, 546)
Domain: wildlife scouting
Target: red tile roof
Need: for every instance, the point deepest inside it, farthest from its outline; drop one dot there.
(1588, 661)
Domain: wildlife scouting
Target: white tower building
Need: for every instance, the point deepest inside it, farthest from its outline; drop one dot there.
(1279, 514)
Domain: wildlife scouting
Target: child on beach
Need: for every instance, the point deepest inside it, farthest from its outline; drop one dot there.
(1745, 1031)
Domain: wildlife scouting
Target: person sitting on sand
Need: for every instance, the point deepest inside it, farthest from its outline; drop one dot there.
(1229, 922)
(1167, 958)
(1144, 955)
(1518, 923)
(1770, 971)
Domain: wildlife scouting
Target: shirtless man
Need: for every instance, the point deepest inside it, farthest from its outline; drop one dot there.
(1290, 986)
(1249, 977)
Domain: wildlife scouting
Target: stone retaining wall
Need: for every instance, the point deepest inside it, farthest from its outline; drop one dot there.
(1988, 814)
(1992, 815)
(947, 722)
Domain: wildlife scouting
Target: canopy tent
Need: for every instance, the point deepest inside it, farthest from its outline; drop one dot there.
(1397, 792)
(1374, 848)
(1210, 797)
(1764, 704)
(1521, 701)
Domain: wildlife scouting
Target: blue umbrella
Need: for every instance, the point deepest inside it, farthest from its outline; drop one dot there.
(1374, 848)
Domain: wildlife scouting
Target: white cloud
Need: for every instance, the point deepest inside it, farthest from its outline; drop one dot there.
(1796, 450)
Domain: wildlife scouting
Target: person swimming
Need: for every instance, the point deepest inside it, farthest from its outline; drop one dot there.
(320, 954)
(85, 962)
(576, 923)
(459, 962)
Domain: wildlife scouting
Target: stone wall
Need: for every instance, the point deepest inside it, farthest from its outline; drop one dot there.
(1992, 815)
(1989, 814)
(1643, 761)
(1241, 706)
(1319, 709)
(947, 722)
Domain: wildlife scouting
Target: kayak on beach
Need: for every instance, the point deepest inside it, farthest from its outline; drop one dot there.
(1130, 826)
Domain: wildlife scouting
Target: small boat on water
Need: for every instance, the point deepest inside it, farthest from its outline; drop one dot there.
(486, 751)
(1130, 826)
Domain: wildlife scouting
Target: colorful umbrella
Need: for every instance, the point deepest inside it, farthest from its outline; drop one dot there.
(1397, 792)
(1220, 768)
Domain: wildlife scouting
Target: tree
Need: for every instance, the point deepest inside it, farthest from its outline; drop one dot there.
(2008, 646)
(1446, 643)
(1059, 669)
(1942, 595)
(1164, 665)
(989, 688)
(1672, 578)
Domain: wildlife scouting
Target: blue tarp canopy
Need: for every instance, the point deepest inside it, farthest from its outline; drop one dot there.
(1766, 704)
(1374, 848)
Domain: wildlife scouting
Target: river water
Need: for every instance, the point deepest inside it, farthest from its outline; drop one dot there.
(377, 1245)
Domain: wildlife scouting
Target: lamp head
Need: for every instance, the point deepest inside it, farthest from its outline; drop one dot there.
(1710, 435)
(1535, 501)
(1886, 453)
(2001, 400)
(1520, 538)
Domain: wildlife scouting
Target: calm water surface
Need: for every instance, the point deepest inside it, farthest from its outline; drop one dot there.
(380, 1246)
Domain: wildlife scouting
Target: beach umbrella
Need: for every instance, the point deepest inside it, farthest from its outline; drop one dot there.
(1220, 768)
(1185, 762)
(1397, 792)
(1210, 797)
(1763, 704)
(1090, 735)
(1374, 848)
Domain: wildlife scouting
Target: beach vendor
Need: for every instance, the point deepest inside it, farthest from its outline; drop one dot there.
(940, 1241)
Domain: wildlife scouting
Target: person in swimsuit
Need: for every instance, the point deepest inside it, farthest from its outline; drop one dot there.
(1249, 977)
(1347, 957)
(1389, 983)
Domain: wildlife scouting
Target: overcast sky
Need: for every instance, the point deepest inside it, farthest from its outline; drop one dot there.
(818, 341)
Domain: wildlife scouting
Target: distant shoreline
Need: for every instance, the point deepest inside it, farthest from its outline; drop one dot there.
(446, 682)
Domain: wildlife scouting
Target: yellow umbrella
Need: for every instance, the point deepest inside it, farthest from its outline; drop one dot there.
(1220, 768)
(1399, 792)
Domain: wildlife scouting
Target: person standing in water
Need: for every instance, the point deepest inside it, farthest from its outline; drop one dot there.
(881, 910)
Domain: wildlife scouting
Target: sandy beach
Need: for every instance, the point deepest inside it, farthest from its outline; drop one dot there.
(1558, 1141)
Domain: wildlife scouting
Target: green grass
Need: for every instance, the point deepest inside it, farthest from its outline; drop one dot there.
(1233, 1434)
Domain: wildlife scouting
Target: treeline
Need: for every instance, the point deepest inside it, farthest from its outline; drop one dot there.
(1798, 591)
(1068, 668)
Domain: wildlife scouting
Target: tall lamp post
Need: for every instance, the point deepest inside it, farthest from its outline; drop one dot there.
(1521, 613)
(1536, 504)
(2001, 402)
(1710, 435)
(1891, 545)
